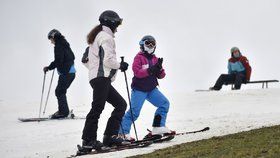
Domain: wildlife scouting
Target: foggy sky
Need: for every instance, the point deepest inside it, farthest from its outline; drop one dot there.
(193, 36)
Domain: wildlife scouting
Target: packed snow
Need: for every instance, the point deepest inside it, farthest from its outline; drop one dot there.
(225, 112)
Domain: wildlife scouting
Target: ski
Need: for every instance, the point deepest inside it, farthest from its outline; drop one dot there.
(156, 139)
(203, 90)
(191, 132)
(37, 119)
(136, 144)
(133, 145)
(163, 138)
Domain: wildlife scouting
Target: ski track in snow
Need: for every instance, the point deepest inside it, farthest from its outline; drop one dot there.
(225, 112)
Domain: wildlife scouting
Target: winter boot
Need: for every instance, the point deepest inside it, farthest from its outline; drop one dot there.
(114, 140)
(89, 145)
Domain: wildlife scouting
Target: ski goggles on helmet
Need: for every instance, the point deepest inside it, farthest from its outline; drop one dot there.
(150, 44)
(118, 21)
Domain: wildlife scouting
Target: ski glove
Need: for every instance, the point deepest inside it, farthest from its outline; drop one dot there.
(154, 70)
(85, 56)
(159, 63)
(123, 66)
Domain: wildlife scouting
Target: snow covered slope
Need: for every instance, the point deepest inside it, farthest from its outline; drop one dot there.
(224, 112)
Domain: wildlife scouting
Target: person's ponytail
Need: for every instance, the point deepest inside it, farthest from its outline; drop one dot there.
(93, 33)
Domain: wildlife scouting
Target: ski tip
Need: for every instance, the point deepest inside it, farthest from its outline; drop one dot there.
(206, 129)
(30, 119)
(202, 90)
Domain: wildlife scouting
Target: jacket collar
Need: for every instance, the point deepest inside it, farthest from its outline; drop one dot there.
(147, 55)
(232, 59)
(108, 30)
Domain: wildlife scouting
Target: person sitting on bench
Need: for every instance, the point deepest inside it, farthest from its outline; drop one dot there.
(239, 71)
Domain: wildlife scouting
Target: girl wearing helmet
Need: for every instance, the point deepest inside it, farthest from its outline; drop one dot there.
(147, 69)
(102, 64)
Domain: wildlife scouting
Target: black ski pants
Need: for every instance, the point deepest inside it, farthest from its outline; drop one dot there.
(64, 82)
(103, 91)
(237, 79)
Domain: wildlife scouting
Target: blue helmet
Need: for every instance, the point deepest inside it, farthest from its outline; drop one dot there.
(148, 41)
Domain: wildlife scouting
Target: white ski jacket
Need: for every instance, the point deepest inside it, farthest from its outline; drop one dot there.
(102, 59)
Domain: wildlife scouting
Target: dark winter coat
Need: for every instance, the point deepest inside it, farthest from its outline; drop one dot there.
(63, 56)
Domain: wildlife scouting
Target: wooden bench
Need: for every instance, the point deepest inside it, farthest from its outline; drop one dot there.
(264, 83)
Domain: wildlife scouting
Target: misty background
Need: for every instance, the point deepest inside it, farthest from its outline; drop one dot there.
(193, 36)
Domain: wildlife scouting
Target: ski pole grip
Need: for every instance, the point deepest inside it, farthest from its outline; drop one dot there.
(122, 58)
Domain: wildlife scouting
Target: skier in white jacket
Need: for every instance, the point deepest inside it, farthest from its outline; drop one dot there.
(102, 64)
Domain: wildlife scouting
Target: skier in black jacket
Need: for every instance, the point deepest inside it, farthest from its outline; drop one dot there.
(64, 62)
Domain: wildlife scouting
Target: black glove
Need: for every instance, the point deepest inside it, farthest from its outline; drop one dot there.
(123, 66)
(85, 56)
(159, 63)
(45, 69)
(154, 70)
(159, 66)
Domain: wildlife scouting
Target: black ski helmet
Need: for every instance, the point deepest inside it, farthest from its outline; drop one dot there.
(147, 38)
(111, 19)
(53, 33)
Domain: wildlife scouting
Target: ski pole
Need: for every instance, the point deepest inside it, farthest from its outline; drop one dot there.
(48, 93)
(42, 94)
(132, 117)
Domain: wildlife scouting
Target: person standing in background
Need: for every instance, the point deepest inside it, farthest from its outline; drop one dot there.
(64, 62)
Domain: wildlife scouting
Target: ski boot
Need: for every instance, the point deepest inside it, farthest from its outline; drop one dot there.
(158, 133)
(95, 144)
(58, 115)
(114, 140)
(127, 137)
(88, 146)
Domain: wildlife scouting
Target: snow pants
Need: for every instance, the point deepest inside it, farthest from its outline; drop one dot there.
(103, 91)
(237, 79)
(64, 82)
(156, 98)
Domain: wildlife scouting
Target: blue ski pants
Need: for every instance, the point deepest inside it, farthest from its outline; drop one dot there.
(138, 98)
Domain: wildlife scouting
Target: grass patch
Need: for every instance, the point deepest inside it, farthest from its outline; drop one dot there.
(258, 143)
